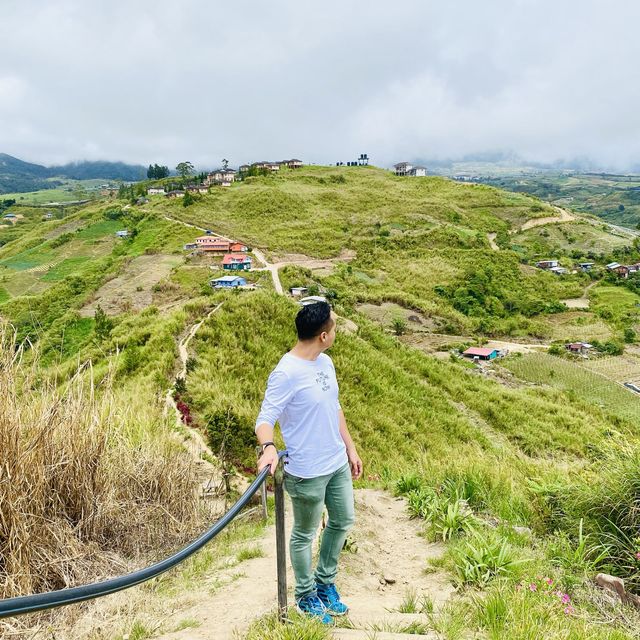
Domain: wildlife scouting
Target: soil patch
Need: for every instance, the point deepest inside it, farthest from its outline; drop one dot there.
(132, 290)
(386, 312)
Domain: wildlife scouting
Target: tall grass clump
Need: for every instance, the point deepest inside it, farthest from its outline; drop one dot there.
(608, 501)
(77, 497)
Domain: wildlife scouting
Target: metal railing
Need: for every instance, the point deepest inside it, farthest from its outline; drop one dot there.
(49, 600)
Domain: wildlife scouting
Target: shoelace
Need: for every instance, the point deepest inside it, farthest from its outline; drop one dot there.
(314, 604)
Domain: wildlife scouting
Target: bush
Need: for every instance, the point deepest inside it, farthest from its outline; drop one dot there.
(232, 435)
(482, 559)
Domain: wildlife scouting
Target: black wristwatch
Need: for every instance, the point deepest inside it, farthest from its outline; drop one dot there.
(268, 444)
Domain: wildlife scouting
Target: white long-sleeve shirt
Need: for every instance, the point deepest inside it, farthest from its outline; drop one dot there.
(302, 395)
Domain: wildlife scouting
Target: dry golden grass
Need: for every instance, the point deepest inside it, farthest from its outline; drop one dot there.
(78, 498)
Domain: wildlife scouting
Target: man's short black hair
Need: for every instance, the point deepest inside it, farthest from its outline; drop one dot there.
(313, 319)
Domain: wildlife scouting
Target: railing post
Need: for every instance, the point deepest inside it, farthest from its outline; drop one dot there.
(281, 552)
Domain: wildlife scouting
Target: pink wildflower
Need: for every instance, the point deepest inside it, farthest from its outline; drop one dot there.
(549, 581)
(568, 610)
(565, 598)
(637, 555)
(533, 587)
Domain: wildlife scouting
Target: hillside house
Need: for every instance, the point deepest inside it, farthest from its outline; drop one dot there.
(228, 282)
(48, 215)
(198, 188)
(236, 262)
(303, 302)
(586, 266)
(547, 264)
(243, 168)
(238, 247)
(558, 271)
(480, 353)
(190, 246)
(176, 193)
(612, 266)
(10, 216)
(211, 243)
(418, 172)
(581, 348)
(265, 164)
(298, 292)
(156, 191)
(122, 234)
(220, 177)
(294, 163)
(402, 168)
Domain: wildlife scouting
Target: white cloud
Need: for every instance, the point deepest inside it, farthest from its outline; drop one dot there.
(166, 81)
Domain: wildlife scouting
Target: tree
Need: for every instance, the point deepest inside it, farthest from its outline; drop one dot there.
(103, 325)
(188, 199)
(225, 164)
(157, 172)
(184, 169)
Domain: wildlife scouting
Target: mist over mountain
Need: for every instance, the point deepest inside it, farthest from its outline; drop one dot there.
(19, 176)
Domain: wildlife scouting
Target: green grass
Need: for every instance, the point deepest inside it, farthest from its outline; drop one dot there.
(552, 371)
(616, 304)
(4, 295)
(100, 229)
(67, 267)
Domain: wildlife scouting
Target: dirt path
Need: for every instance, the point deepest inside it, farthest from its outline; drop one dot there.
(563, 216)
(273, 268)
(517, 347)
(391, 559)
(579, 303)
(491, 237)
(196, 445)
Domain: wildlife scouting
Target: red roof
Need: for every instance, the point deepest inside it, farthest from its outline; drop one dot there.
(230, 258)
(479, 351)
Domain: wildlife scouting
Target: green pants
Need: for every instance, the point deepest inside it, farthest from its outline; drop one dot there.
(308, 497)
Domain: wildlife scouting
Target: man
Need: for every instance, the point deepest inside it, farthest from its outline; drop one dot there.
(302, 394)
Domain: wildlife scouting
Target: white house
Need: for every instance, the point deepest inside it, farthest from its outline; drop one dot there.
(418, 172)
(403, 168)
(156, 191)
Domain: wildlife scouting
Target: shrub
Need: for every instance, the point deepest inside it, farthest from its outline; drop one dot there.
(482, 559)
(232, 435)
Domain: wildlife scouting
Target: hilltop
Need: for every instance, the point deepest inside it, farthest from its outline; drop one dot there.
(520, 450)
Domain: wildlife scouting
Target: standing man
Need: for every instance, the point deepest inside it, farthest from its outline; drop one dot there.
(302, 394)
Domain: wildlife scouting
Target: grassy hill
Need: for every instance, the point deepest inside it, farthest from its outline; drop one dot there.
(520, 446)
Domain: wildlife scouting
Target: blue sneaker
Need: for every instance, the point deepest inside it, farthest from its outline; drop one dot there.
(330, 598)
(312, 606)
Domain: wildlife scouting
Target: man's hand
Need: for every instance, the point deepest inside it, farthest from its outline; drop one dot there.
(355, 463)
(269, 457)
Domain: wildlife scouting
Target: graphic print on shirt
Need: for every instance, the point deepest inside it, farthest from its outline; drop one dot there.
(323, 380)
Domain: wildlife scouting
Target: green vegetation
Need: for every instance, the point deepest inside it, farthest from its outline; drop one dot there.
(615, 198)
(476, 454)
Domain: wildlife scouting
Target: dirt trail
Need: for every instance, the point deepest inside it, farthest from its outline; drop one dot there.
(491, 237)
(196, 445)
(579, 303)
(563, 216)
(389, 545)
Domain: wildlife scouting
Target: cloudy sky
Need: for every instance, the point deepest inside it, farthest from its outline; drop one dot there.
(200, 80)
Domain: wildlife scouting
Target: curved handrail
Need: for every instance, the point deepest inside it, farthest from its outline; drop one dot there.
(51, 599)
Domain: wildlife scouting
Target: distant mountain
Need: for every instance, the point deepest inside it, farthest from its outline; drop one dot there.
(100, 169)
(19, 176)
